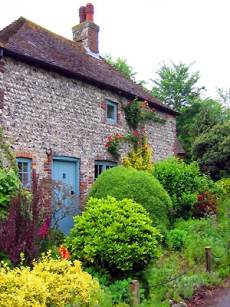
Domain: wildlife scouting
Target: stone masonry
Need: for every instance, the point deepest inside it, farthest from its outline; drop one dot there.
(45, 114)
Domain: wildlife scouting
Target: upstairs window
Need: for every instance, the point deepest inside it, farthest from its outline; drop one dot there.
(111, 112)
(101, 166)
(24, 171)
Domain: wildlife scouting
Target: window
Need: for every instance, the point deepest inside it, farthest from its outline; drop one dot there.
(24, 170)
(111, 112)
(101, 166)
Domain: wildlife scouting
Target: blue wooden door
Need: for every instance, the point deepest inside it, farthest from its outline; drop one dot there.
(66, 174)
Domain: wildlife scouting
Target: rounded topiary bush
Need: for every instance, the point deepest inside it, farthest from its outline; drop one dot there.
(142, 187)
(116, 235)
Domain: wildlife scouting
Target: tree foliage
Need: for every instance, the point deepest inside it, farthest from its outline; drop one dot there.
(121, 65)
(212, 150)
(196, 119)
(176, 85)
(224, 96)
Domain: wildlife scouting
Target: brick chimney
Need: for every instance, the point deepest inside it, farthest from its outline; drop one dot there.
(86, 32)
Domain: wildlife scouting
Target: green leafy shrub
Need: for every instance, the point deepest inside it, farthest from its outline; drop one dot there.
(182, 182)
(100, 273)
(120, 291)
(160, 277)
(176, 239)
(224, 183)
(202, 233)
(224, 211)
(116, 235)
(9, 184)
(171, 277)
(142, 187)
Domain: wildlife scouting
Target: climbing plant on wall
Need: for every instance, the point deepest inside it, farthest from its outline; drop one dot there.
(6, 153)
(137, 114)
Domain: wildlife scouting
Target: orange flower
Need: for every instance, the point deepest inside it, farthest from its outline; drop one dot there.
(64, 253)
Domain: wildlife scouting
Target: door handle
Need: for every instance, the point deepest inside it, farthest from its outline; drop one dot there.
(72, 192)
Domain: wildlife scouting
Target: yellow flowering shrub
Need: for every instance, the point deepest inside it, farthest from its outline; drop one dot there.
(139, 158)
(50, 282)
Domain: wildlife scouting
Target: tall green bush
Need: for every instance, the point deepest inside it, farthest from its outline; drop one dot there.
(142, 187)
(116, 235)
(182, 182)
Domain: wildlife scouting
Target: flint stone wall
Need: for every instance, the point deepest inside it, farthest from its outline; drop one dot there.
(43, 111)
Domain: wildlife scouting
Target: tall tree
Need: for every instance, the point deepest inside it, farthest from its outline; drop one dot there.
(196, 119)
(121, 65)
(224, 97)
(176, 85)
(212, 150)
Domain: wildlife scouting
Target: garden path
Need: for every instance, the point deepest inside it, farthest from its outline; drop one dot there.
(219, 297)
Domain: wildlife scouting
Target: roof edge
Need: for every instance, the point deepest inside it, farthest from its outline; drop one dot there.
(31, 60)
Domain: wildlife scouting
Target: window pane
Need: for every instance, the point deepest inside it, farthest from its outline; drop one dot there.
(24, 171)
(25, 179)
(20, 166)
(20, 176)
(101, 166)
(100, 169)
(25, 167)
(110, 111)
(96, 171)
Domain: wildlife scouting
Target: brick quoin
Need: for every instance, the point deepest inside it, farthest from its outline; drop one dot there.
(48, 164)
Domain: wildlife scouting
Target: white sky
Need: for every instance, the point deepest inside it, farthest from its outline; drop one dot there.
(145, 32)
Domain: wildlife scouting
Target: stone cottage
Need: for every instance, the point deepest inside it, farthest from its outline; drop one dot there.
(59, 101)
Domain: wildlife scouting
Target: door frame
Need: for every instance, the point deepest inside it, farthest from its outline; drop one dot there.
(77, 169)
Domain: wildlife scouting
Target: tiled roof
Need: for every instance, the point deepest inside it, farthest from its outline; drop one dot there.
(26, 40)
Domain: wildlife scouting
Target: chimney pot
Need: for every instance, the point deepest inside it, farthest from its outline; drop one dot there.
(82, 14)
(89, 12)
(86, 32)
